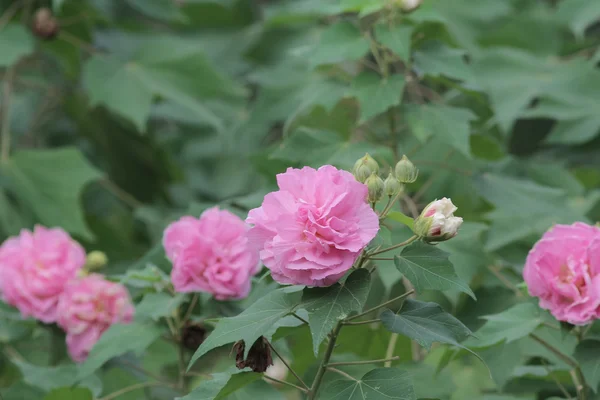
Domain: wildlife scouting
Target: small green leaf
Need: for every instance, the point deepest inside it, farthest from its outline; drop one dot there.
(254, 322)
(426, 323)
(376, 94)
(158, 305)
(117, 340)
(221, 385)
(15, 42)
(395, 37)
(437, 59)
(340, 42)
(51, 182)
(378, 384)
(69, 393)
(587, 354)
(428, 267)
(403, 219)
(49, 378)
(327, 306)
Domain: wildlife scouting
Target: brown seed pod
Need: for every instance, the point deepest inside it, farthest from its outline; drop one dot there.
(259, 356)
(192, 335)
(44, 24)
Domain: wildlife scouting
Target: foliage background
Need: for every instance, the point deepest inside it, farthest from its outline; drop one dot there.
(142, 111)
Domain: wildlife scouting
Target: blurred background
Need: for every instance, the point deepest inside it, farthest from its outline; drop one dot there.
(119, 116)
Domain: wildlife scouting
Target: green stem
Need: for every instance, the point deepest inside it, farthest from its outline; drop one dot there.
(314, 390)
(379, 306)
(6, 98)
(370, 321)
(385, 360)
(405, 243)
(288, 367)
(389, 206)
(270, 378)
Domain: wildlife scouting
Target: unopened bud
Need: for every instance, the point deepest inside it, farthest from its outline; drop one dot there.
(409, 5)
(437, 221)
(375, 185)
(45, 25)
(364, 167)
(405, 170)
(259, 356)
(95, 260)
(391, 185)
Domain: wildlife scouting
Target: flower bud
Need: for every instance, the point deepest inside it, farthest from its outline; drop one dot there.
(405, 170)
(409, 5)
(364, 167)
(375, 185)
(259, 356)
(391, 186)
(45, 25)
(95, 260)
(437, 221)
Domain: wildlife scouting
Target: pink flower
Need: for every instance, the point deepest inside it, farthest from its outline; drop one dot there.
(87, 308)
(34, 268)
(311, 231)
(563, 270)
(437, 221)
(211, 254)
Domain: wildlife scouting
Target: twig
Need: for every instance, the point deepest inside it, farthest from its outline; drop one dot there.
(190, 309)
(314, 390)
(129, 389)
(390, 349)
(381, 258)
(555, 379)
(385, 360)
(379, 306)
(405, 243)
(505, 281)
(121, 194)
(369, 321)
(337, 371)
(6, 98)
(289, 367)
(299, 317)
(270, 378)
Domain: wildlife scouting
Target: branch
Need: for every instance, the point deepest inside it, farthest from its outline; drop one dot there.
(341, 373)
(288, 367)
(385, 360)
(379, 306)
(396, 246)
(270, 378)
(312, 394)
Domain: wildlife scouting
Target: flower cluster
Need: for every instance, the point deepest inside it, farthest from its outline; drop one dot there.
(211, 254)
(39, 275)
(563, 270)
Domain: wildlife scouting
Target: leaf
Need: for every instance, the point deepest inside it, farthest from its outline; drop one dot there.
(117, 340)
(428, 267)
(395, 37)
(451, 125)
(15, 42)
(221, 385)
(510, 325)
(165, 10)
(402, 218)
(327, 306)
(49, 378)
(172, 68)
(578, 14)
(69, 393)
(587, 354)
(158, 305)
(376, 94)
(50, 182)
(378, 384)
(254, 322)
(502, 359)
(426, 323)
(339, 42)
(435, 59)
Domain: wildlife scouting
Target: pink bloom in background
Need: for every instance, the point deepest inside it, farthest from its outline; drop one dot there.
(563, 270)
(87, 308)
(211, 254)
(34, 268)
(311, 231)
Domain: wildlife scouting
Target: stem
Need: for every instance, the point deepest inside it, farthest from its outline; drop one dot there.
(341, 373)
(190, 309)
(369, 321)
(385, 360)
(393, 133)
(405, 243)
(576, 374)
(381, 258)
(288, 367)
(6, 97)
(143, 371)
(121, 194)
(129, 389)
(379, 306)
(299, 317)
(270, 378)
(312, 394)
(390, 350)
(75, 41)
(389, 206)
(181, 364)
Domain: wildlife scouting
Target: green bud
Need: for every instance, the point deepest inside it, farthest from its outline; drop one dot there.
(375, 185)
(391, 186)
(406, 172)
(364, 167)
(95, 260)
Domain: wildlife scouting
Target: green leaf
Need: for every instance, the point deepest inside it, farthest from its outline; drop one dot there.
(451, 125)
(165, 10)
(69, 393)
(340, 42)
(15, 42)
(49, 378)
(51, 182)
(502, 359)
(327, 306)
(221, 385)
(158, 305)
(587, 354)
(117, 340)
(376, 94)
(378, 384)
(428, 267)
(426, 323)
(510, 325)
(578, 14)
(436, 59)
(395, 37)
(402, 218)
(254, 322)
